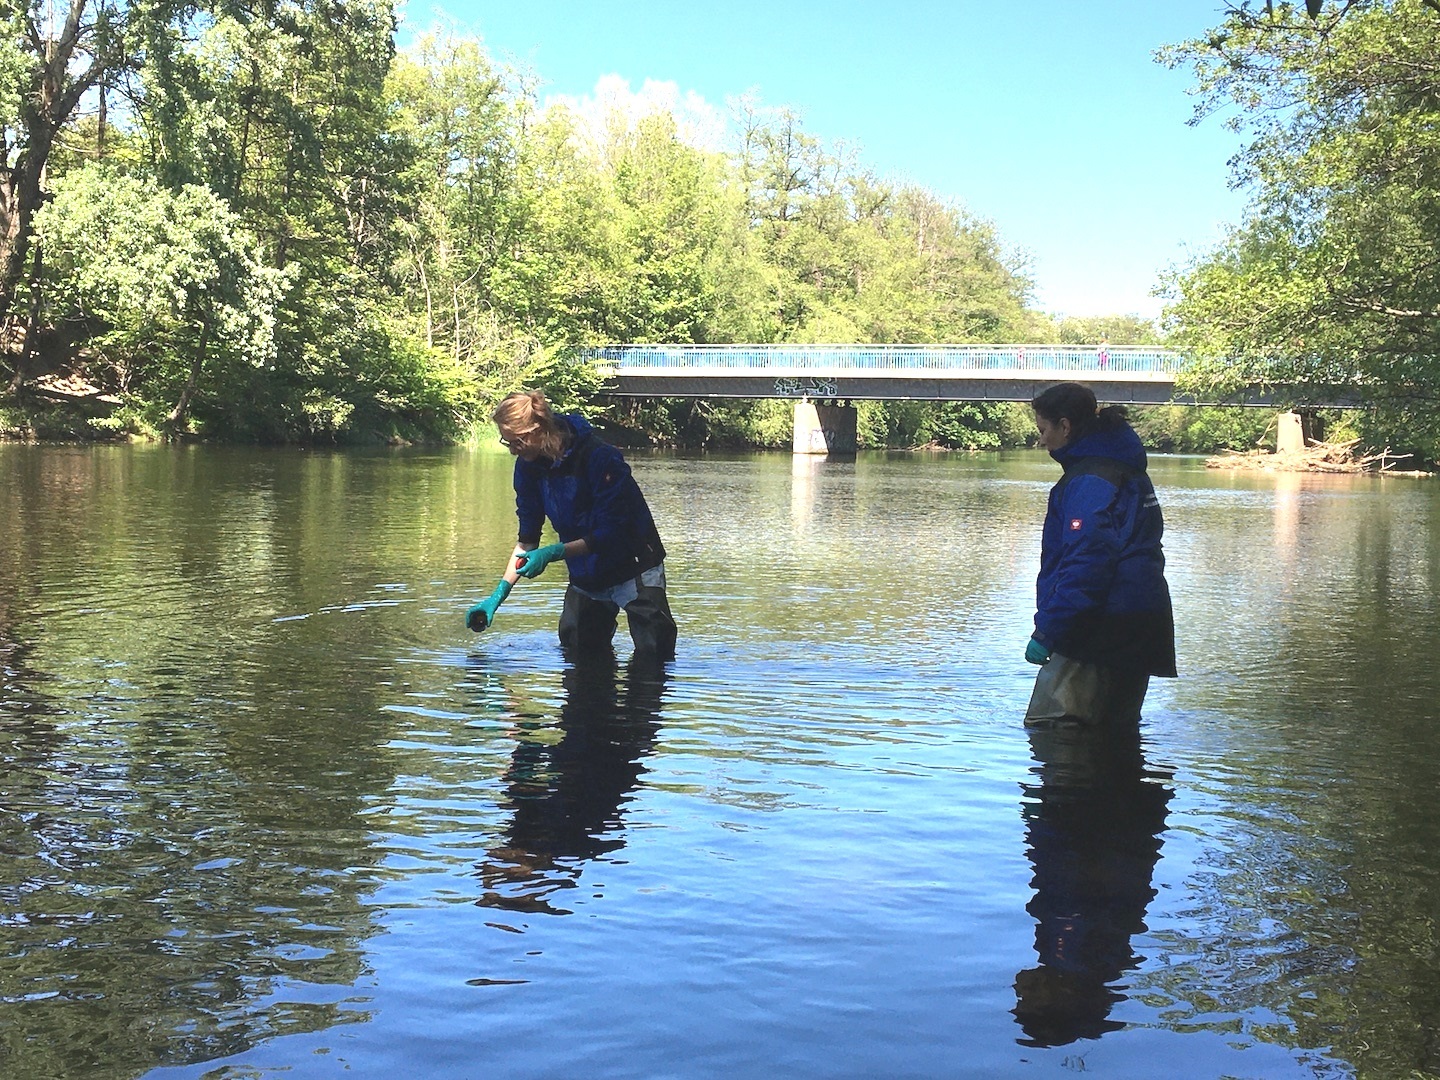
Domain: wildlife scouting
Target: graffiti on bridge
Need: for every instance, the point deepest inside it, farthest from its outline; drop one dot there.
(793, 387)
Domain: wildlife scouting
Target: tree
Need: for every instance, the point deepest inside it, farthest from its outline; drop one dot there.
(565, 279)
(1332, 279)
(692, 270)
(51, 58)
(459, 216)
(1112, 329)
(168, 286)
(939, 274)
(287, 113)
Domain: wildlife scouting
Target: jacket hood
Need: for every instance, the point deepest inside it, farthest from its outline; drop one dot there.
(1120, 443)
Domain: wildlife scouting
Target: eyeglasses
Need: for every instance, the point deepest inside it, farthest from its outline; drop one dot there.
(516, 442)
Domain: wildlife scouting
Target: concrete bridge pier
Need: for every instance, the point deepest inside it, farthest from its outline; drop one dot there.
(827, 428)
(1296, 431)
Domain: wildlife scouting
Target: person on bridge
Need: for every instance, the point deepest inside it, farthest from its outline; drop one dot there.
(608, 539)
(1103, 621)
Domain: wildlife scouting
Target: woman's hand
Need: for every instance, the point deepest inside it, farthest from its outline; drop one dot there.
(482, 614)
(532, 564)
(1037, 652)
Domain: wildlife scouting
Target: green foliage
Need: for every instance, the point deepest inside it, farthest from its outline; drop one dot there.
(1399, 428)
(166, 283)
(872, 425)
(772, 424)
(461, 208)
(713, 424)
(679, 229)
(386, 385)
(1014, 423)
(27, 418)
(13, 66)
(951, 425)
(357, 375)
(1184, 430)
(295, 233)
(893, 423)
(1331, 278)
(962, 425)
(1108, 329)
(860, 259)
(284, 117)
(568, 380)
(728, 423)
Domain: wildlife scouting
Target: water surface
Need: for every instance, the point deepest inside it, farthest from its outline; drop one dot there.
(270, 810)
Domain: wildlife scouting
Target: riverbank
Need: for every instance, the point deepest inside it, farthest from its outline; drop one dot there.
(75, 412)
(1320, 457)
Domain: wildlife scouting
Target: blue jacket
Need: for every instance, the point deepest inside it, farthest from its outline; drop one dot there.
(590, 494)
(1101, 596)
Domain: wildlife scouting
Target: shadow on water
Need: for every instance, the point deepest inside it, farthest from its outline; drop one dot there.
(1093, 832)
(568, 782)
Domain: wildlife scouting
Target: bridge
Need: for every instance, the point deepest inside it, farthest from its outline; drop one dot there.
(824, 379)
(1117, 373)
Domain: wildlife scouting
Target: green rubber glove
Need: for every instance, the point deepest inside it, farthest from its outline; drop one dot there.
(1037, 652)
(483, 614)
(532, 563)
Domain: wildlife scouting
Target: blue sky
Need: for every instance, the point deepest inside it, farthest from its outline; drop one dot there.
(1048, 117)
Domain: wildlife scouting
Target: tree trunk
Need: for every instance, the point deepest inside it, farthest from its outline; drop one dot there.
(56, 81)
(20, 195)
(179, 414)
(23, 365)
(429, 305)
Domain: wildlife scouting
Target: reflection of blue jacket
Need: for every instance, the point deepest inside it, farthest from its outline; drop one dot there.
(590, 494)
(1101, 596)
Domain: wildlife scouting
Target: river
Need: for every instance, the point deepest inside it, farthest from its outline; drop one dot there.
(269, 809)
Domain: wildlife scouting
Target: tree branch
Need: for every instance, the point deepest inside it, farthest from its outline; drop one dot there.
(1385, 309)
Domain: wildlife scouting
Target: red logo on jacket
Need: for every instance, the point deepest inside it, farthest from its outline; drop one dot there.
(1076, 524)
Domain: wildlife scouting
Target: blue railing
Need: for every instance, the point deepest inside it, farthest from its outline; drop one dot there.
(1134, 360)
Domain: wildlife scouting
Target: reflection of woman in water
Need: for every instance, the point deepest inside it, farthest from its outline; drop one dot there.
(1093, 828)
(566, 797)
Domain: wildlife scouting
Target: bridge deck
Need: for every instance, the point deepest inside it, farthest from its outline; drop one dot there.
(1001, 361)
(1140, 374)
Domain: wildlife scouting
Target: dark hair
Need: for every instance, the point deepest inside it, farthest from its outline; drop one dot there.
(1076, 402)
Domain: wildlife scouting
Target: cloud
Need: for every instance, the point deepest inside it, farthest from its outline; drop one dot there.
(614, 104)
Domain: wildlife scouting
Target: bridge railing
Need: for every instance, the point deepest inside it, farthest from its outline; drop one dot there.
(1136, 360)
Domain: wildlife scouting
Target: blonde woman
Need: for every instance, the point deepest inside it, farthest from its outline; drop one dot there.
(567, 473)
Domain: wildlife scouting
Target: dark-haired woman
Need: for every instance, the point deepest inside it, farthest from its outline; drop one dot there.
(1103, 620)
(608, 540)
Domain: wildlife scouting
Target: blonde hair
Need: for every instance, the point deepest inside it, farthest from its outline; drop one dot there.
(527, 413)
